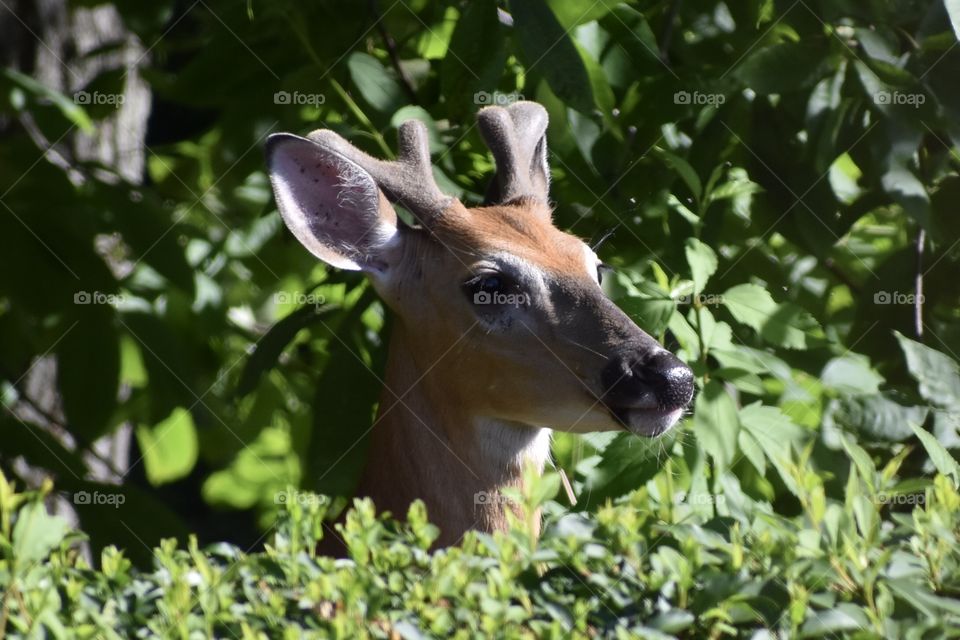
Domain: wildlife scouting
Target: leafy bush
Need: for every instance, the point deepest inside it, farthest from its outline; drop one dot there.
(781, 182)
(647, 567)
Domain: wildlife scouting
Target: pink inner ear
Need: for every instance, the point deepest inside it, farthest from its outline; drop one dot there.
(330, 204)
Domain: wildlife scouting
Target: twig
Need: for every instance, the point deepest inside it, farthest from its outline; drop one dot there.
(918, 286)
(54, 421)
(391, 45)
(52, 155)
(666, 36)
(832, 267)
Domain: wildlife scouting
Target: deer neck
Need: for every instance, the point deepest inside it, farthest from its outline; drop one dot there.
(424, 446)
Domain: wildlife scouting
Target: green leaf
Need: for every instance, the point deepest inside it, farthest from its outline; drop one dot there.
(626, 463)
(378, 86)
(776, 435)
(937, 374)
(651, 309)
(544, 487)
(632, 32)
(877, 417)
(843, 617)
(752, 450)
(272, 344)
(737, 186)
(67, 106)
(571, 13)
(547, 49)
(940, 457)
(603, 95)
(475, 59)
(36, 534)
(702, 261)
(169, 448)
(919, 596)
(862, 460)
(782, 68)
(785, 325)
(900, 179)
(851, 373)
(684, 211)
(684, 169)
(716, 424)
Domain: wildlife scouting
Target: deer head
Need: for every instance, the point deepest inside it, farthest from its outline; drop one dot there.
(503, 324)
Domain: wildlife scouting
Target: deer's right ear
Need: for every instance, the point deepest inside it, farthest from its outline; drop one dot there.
(331, 205)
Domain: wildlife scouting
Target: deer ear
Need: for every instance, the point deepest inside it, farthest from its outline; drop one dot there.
(332, 206)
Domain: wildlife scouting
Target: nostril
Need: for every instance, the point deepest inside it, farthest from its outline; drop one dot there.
(671, 379)
(660, 381)
(678, 390)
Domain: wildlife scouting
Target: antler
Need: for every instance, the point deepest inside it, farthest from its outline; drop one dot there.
(517, 137)
(407, 181)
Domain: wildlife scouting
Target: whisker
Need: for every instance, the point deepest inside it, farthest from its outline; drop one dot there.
(583, 346)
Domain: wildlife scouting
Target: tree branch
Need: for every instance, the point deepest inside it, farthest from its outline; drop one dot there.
(391, 46)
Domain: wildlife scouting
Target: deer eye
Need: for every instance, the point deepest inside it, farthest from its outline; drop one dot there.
(485, 283)
(490, 284)
(493, 289)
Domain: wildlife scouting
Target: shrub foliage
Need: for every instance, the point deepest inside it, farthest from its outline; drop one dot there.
(640, 568)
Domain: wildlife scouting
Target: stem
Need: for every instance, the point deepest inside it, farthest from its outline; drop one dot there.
(391, 46)
(918, 287)
(831, 266)
(54, 421)
(697, 308)
(668, 478)
(297, 29)
(666, 35)
(4, 614)
(362, 117)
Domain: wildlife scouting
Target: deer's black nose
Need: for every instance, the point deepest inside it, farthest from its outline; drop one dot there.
(672, 380)
(658, 381)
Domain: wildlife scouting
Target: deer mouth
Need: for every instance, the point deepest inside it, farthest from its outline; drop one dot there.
(649, 422)
(647, 394)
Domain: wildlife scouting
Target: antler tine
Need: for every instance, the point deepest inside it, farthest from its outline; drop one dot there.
(516, 136)
(407, 181)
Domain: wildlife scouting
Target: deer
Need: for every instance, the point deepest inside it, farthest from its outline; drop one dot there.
(501, 331)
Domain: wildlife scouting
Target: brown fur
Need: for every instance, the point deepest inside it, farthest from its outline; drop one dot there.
(448, 372)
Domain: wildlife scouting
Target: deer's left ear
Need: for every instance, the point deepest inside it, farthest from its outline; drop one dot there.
(332, 205)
